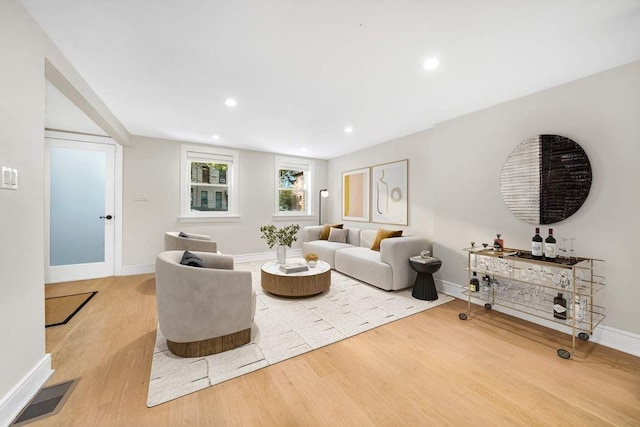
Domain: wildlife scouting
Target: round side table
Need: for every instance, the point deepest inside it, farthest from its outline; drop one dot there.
(424, 287)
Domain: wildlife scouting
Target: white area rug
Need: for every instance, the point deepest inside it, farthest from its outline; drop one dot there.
(283, 328)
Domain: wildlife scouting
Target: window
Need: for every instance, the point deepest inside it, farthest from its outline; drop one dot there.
(293, 186)
(208, 188)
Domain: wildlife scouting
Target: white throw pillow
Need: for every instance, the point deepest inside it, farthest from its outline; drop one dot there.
(338, 235)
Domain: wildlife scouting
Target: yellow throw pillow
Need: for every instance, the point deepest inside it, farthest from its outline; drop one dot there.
(327, 229)
(383, 234)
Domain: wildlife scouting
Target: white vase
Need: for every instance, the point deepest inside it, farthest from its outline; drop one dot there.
(281, 254)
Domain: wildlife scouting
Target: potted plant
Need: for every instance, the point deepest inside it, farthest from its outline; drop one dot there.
(282, 237)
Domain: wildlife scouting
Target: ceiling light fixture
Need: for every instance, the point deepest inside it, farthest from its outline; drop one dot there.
(348, 129)
(216, 136)
(431, 64)
(230, 102)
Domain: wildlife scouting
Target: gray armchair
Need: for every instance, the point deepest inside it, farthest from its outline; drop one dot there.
(195, 242)
(203, 311)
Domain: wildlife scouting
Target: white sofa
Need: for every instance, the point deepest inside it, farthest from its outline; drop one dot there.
(388, 269)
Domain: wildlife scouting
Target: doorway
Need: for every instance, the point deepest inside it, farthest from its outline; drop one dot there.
(80, 208)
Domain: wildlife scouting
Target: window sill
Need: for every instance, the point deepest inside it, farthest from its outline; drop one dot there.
(195, 219)
(287, 217)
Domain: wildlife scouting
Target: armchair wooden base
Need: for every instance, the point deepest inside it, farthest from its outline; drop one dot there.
(210, 346)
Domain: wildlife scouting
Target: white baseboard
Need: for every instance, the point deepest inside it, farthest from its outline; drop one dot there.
(130, 270)
(626, 342)
(20, 395)
(266, 256)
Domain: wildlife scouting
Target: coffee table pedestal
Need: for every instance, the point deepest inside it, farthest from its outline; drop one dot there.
(303, 284)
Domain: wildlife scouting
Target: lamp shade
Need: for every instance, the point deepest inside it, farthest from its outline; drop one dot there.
(324, 193)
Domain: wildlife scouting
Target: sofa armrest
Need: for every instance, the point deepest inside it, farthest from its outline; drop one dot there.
(311, 232)
(396, 252)
(217, 261)
(174, 243)
(198, 236)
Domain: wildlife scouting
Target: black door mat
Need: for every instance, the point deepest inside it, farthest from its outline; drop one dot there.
(48, 401)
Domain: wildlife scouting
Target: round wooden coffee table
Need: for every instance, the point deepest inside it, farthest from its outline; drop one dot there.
(306, 283)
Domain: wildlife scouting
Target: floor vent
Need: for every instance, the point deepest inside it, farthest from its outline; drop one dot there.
(48, 401)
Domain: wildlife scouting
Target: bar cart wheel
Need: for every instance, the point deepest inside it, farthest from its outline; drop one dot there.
(583, 336)
(488, 306)
(564, 353)
(462, 316)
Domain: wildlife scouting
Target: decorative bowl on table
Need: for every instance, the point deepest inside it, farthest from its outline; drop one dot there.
(311, 257)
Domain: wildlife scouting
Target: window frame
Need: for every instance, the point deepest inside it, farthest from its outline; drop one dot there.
(190, 153)
(297, 163)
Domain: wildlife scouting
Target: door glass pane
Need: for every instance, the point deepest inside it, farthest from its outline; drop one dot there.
(77, 202)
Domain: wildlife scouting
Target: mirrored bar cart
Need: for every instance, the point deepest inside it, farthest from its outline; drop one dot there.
(561, 290)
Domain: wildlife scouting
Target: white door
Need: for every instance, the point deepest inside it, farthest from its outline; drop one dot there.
(80, 206)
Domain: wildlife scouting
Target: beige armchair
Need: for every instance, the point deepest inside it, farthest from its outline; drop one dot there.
(195, 242)
(203, 311)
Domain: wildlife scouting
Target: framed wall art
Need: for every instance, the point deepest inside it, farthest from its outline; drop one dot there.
(389, 193)
(355, 195)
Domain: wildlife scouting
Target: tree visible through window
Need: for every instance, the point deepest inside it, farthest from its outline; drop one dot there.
(292, 186)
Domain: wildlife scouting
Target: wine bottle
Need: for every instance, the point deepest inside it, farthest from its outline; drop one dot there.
(550, 246)
(536, 244)
(577, 308)
(486, 283)
(472, 256)
(474, 283)
(560, 307)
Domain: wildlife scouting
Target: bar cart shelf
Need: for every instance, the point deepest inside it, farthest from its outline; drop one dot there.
(523, 283)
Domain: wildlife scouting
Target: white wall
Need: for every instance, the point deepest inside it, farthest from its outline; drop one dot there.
(455, 168)
(21, 211)
(27, 56)
(153, 166)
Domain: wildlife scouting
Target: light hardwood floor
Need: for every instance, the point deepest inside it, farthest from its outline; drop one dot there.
(427, 369)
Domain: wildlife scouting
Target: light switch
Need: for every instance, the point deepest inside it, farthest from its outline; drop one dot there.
(6, 177)
(9, 178)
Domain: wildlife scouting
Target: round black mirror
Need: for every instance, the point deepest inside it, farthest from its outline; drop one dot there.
(546, 179)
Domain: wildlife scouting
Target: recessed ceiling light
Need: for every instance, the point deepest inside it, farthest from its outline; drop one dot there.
(230, 102)
(216, 136)
(431, 64)
(348, 129)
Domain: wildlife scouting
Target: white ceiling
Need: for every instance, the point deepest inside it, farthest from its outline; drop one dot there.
(303, 70)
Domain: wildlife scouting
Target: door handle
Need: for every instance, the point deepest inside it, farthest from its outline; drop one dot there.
(106, 217)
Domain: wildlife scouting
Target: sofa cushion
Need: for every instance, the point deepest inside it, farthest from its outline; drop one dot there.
(324, 235)
(324, 249)
(191, 260)
(365, 265)
(338, 235)
(384, 234)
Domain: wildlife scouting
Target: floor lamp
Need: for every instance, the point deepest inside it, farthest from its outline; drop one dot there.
(324, 193)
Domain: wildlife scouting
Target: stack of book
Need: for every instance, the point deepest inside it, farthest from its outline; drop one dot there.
(294, 267)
